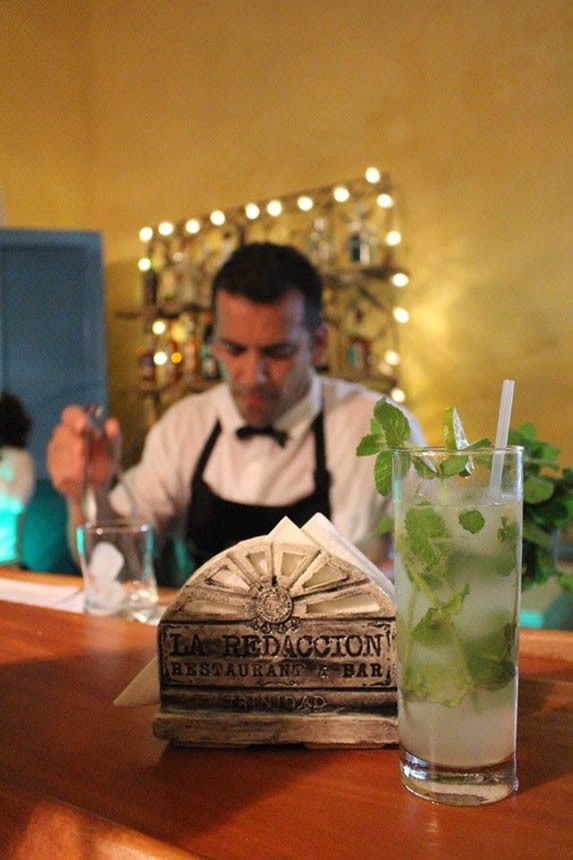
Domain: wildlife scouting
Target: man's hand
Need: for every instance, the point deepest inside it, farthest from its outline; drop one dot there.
(79, 452)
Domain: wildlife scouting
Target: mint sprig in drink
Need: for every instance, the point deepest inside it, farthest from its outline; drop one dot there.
(457, 542)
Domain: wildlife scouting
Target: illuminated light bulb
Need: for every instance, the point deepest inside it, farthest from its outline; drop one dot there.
(372, 175)
(398, 394)
(158, 326)
(193, 225)
(391, 357)
(341, 194)
(305, 203)
(166, 228)
(146, 233)
(274, 208)
(385, 200)
(401, 315)
(160, 358)
(144, 264)
(176, 357)
(393, 237)
(252, 211)
(217, 217)
(400, 279)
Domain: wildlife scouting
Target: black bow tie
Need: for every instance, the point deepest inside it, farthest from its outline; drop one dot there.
(247, 432)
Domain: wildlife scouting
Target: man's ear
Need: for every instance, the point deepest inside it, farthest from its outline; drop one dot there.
(319, 344)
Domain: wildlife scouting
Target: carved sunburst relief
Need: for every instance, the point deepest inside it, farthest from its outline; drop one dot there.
(277, 581)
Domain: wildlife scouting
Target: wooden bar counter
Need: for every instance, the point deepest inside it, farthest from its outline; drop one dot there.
(79, 772)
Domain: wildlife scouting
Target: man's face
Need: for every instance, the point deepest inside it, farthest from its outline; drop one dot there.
(266, 353)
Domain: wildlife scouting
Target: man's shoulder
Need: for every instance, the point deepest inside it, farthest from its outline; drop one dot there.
(338, 392)
(198, 409)
(352, 404)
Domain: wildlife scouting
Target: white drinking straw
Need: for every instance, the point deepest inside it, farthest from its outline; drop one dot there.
(502, 432)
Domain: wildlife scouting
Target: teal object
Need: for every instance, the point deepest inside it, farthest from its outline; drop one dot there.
(547, 607)
(44, 533)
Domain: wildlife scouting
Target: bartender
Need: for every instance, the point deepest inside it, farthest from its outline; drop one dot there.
(273, 439)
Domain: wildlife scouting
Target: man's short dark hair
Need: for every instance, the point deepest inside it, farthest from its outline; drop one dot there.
(264, 272)
(15, 423)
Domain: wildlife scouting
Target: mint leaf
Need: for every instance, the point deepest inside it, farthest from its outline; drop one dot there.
(472, 521)
(376, 428)
(536, 535)
(422, 468)
(427, 532)
(393, 422)
(434, 628)
(508, 531)
(537, 489)
(431, 682)
(491, 659)
(383, 472)
(370, 444)
(481, 443)
(453, 465)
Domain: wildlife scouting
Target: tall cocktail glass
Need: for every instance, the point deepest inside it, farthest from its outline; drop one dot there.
(458, 539)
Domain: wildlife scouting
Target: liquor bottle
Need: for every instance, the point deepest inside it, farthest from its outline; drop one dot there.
(174, 359)
(191, 355)
(145, 361)
(320, 246)
(209, 366)
(150, 284)
(362, 241)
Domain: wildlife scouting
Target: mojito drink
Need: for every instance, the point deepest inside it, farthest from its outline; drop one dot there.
(458, 540)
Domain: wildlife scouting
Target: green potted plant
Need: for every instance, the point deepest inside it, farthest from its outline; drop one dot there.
(547, 508)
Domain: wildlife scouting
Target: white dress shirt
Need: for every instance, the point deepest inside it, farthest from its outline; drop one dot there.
(258, 470)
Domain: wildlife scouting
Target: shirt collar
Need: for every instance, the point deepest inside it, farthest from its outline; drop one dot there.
(295, 421)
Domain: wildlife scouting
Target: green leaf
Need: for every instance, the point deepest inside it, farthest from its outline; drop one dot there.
(453, 465)
(427, 531)
(533, 533)
(537, 489)
(566, 581)
(383, 472)
(525, 433)
(369, 445)
(429, 682)
(435, 628)
(423, 469)
(508, 531)
(393, 422)
(385, 525)
(432, 628)
(491, 659)
(472, 521)
(376, 428)
(481, 443)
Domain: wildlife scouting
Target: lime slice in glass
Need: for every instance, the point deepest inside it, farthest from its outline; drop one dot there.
(454, 435)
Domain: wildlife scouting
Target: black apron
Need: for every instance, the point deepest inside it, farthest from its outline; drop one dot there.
(214, 524)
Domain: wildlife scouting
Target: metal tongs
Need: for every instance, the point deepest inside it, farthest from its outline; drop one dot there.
(96, 419)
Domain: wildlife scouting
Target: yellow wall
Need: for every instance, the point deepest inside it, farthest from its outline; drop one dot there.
(47, 169)
(166, 108)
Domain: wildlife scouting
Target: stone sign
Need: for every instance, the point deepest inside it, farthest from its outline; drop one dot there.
(281, 639)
